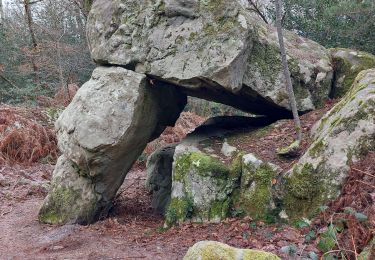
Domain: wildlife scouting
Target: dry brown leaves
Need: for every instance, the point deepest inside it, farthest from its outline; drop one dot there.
(185, 124)
(24, 139)
(359, 194)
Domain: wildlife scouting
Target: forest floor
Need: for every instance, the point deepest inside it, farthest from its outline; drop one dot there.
(134, 231)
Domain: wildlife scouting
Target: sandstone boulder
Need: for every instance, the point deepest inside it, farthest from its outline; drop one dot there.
(341, 137)
(217, 50)
(208, 250)
(254, 196)
(348, 64)
(208, 182)
(101, 133)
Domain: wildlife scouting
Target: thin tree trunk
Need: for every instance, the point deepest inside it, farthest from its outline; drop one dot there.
(29, 20)
(292, 99)
(258, 11)
(1, 13)
(61, 71)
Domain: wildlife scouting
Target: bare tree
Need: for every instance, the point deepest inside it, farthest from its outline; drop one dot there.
(1, 12)
(84, 6)
(293, 148)
(257, 8)
(29, 19)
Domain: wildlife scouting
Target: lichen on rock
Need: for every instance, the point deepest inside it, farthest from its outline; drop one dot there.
(208, 250)
(101, 133)
(218, 50)
(254, 196)
(348, 63)
(341, 137)
(72, 198)
(201, 186)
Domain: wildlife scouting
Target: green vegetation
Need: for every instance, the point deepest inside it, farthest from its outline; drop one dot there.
(333, 23)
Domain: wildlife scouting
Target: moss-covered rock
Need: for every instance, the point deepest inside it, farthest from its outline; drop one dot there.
(341, 137)
(212, 250)
(253, 197)
(348, 63)
(201, 188)
(309, 63)
(71, 199)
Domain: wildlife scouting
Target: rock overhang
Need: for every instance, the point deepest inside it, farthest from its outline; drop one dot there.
(215, 50)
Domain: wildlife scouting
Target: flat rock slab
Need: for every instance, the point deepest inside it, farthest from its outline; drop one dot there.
(217, 50)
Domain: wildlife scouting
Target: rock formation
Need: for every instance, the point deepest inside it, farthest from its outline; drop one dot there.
(101, 134)
(159, 177)
(217, 50)
(208, 184)
(151, 55)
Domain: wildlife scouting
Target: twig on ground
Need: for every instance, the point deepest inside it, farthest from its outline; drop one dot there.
(355, 249)
(368, 184)
(366, 173)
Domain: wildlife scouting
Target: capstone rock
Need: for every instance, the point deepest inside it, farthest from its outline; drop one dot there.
(217, 50)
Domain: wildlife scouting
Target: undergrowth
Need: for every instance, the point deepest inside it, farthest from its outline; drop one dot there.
(24, 139)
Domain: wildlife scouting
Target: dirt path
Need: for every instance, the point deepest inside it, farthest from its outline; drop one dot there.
(132, 230)
(24, 238)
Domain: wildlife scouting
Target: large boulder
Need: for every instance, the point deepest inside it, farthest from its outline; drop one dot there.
(201, 182)
(348, 64)
(211, 178)
(101, 133)
(209, 250)
(341, 137)
(217, 50)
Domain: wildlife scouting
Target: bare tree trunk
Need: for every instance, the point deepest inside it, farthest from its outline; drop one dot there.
(255, 7)
(292, 99)
(29, 20)
(87, 5)
(61, 70)
(79, 21)
(1, 13)
(84, 6)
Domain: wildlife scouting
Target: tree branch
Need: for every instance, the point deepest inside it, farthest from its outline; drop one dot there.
(9, 81)
(258, 11)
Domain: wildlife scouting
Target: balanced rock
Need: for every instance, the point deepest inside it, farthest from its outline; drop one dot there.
(341, 137)
(209, 250)
(217, 50)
